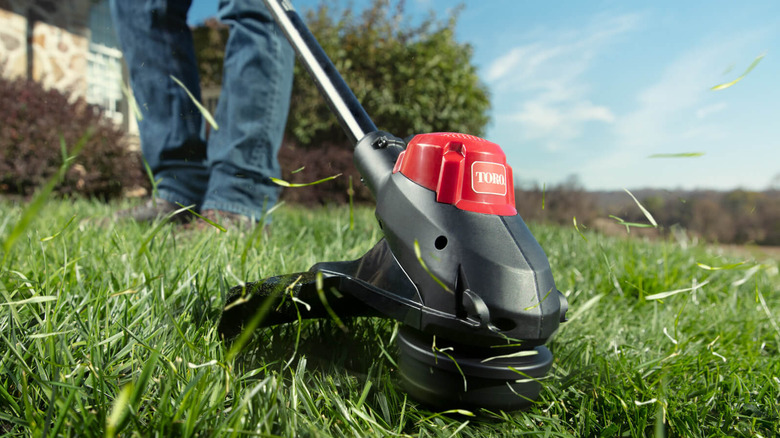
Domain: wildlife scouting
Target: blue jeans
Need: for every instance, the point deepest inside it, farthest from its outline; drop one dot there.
(230, 172)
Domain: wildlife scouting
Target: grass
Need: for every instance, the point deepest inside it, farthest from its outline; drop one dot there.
(109, 330)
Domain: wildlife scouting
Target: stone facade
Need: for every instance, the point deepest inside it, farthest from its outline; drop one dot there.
(47, 41)
(13, 44)
(67, 45)
(60, 59)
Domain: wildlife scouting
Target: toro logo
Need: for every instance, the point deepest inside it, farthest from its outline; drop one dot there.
(488, 178)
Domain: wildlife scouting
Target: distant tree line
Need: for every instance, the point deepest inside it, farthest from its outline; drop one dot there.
(736, 216)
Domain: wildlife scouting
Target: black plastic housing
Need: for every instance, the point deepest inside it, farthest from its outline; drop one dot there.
(482, 276)
(474, 291)
(480, 279)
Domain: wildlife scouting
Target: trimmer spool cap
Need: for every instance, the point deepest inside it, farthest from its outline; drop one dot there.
(458, 376)
(466, 171)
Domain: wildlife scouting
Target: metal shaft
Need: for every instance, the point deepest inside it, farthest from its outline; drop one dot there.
(351, 115)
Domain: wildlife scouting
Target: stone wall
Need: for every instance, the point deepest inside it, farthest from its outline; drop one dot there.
(47, 41)
(13, 44)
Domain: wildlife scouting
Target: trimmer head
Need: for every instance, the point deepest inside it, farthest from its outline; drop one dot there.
(442, 373)
(457, 266)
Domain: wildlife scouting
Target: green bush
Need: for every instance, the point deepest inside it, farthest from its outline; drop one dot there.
(34, 122)
(304, 165)
(410, 78)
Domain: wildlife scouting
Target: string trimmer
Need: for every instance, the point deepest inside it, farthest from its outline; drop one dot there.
(457, 266)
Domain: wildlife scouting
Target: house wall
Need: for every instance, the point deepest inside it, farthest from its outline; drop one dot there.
(60, 59)
(13, 44)
(47, 41)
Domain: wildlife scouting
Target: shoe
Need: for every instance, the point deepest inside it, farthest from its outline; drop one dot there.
(228, 221)
(156, 209)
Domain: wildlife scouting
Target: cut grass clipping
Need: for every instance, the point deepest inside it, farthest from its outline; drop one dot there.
(206, 114)
(284, 183)
(678, 155)
(628, 225)
(110, 331)
(742, 76)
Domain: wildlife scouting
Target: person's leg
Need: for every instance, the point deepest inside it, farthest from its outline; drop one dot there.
(157, 45)
(251, 113)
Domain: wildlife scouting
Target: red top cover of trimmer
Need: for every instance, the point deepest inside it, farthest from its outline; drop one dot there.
(466, 171)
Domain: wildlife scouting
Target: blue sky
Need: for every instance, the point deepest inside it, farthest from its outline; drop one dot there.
(594, 88)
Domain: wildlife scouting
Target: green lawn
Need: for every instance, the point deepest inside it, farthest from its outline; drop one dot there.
(109, 329)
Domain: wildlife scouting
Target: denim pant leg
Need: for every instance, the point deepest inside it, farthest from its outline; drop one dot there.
(251, 112)
(157, 44)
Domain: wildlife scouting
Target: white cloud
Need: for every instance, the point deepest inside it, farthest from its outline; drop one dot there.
(663, 120)
(674, 115)
(522, 61)
(671, 111)
(706, 111)
(540, 86)
(586, 111)
(558, 123)
(538, 62)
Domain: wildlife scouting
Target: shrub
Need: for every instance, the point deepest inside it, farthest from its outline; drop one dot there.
(34, 122)
(300, 165)
(410, 78)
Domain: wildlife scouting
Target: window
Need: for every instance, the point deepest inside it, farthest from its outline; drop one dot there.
(104, 63)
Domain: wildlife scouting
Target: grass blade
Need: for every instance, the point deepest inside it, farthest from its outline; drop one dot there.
(742, 76)
(577, 227)
(418, 254)
(205, 219)
(324, 300)
(740, 265)
(284, 183)
(662, 295)
(131, 102)
(54, 236)
(628, 225)
(644, 210)
(583, 308)
(40, 198)
(679, 155)
(119, 411)
(143, 380)
(154, 182)
(201, 108)
(31, 300)
(351, 194)
(145, 244)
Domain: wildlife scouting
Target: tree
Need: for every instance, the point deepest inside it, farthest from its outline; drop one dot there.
(410, 78)
(210, 39)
